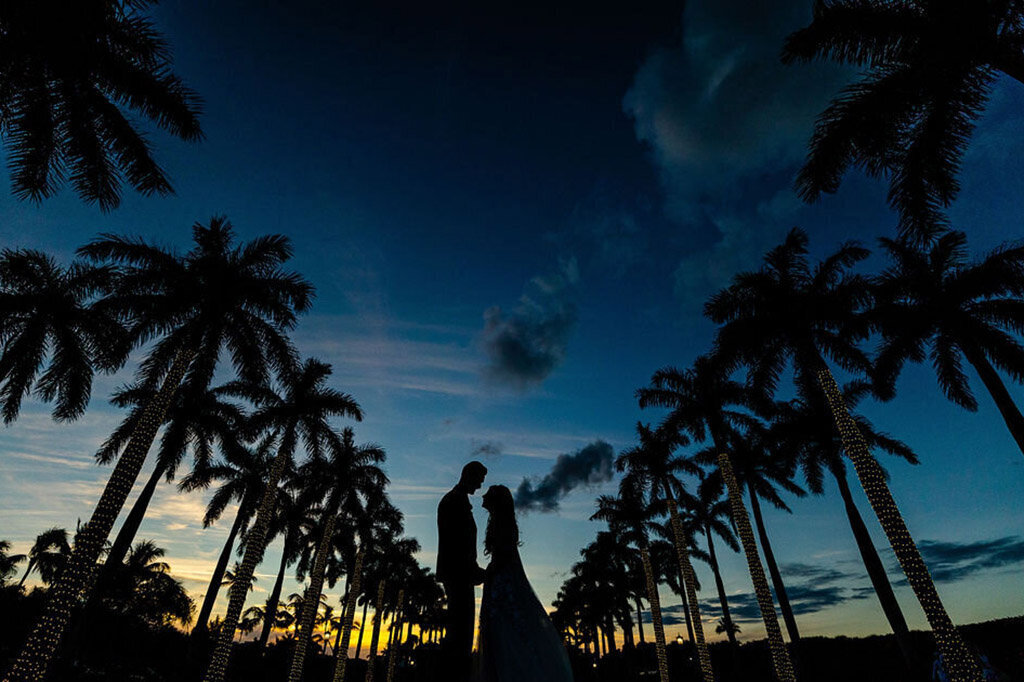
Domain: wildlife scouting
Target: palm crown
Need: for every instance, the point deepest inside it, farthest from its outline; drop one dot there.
(55, 314)
(71, 71)
(931, 66)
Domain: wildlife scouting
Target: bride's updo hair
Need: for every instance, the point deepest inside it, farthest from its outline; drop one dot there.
(502, 530)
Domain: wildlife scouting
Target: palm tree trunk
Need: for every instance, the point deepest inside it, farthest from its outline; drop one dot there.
(253, 555)
(270, 617)
(375, 637)
(393, 646)
(640, 620)
(28, 569)
(1007, 408)
(35, 656)
(218, 575)
(362, 626)
(876, 571)
(309, 608)
(958, 661)
(681, 542)
(130, 527)
(726, 618)
(609, 631)
(773, 569)
(781, 662)
(655, 602)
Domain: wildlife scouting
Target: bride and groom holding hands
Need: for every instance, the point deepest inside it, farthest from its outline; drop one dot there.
(517, 641)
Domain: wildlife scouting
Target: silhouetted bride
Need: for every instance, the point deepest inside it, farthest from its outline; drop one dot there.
(518, 642)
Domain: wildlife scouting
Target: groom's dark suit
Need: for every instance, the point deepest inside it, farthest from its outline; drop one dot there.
(458, 572)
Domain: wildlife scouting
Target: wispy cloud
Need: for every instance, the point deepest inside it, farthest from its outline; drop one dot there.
(952, 561)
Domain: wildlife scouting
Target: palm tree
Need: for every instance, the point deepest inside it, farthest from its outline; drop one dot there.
(217, 295)
(701, 401)
(241, 473)
(289, 519)
(728, 627)
(143, 587)
(629, 517)
(8, 562)
(377, 523)
(48, 555)
(803, 427)
(930, 68)
(301, 413)
(710, 513)
(348, 470)
(653, 460)
(787, 311)
(198, 420)
(54, 317)
(935, 300)
(762, 470)
(71, 74)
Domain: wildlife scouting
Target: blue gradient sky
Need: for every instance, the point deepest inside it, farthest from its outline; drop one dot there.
(615, 169)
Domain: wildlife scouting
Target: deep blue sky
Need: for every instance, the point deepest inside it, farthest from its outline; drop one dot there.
(456, 177)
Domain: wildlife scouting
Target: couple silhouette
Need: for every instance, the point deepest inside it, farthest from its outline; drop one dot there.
(517, 641)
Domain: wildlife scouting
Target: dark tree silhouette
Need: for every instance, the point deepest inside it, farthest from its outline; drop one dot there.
(803, 427)
(711, 513)
(653, 462)
(301, 413)
(762, 470)
(73, 71)
(934, 303)
(347, 471)
(56, 318)
(200, 420)
(217, 295)
(143, 587)
(630, 517)
(48, 555)
(703, 402)
(8, 562)
(241, 474)
(789, 311)
(930, 67)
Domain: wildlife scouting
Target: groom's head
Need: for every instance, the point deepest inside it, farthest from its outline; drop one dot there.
(472, 476)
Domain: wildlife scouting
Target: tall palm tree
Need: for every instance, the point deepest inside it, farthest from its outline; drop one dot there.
(200, 420)
(762, 469)
(55, 318)
(348, 470)
(929, 69)
(789, 311)
(702, 401)
(629, 516)
(377, 524)
(803, 427)
(217, 295)
(653, 460)
(300, 413)
(934, 300)
(73, 74)
(711, 513)
(241, 474)
(289, 519)
(48, 555)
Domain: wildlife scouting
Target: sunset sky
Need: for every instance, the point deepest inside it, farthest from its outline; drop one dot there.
(458, 180)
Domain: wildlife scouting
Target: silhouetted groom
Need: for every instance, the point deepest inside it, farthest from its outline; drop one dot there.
(457, 569)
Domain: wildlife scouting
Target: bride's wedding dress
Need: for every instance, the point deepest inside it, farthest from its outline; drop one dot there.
(517, 642)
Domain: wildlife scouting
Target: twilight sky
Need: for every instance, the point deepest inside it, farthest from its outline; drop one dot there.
(463, 184)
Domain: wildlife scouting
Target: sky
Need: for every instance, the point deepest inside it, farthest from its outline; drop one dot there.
(512, 217)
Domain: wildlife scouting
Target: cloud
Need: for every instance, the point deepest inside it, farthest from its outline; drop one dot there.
(587, 466)
(952, 561)
(728, 126)
(526, 344)
(487, 448)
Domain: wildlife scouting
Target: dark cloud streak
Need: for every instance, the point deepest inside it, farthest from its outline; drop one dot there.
(587, 466)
